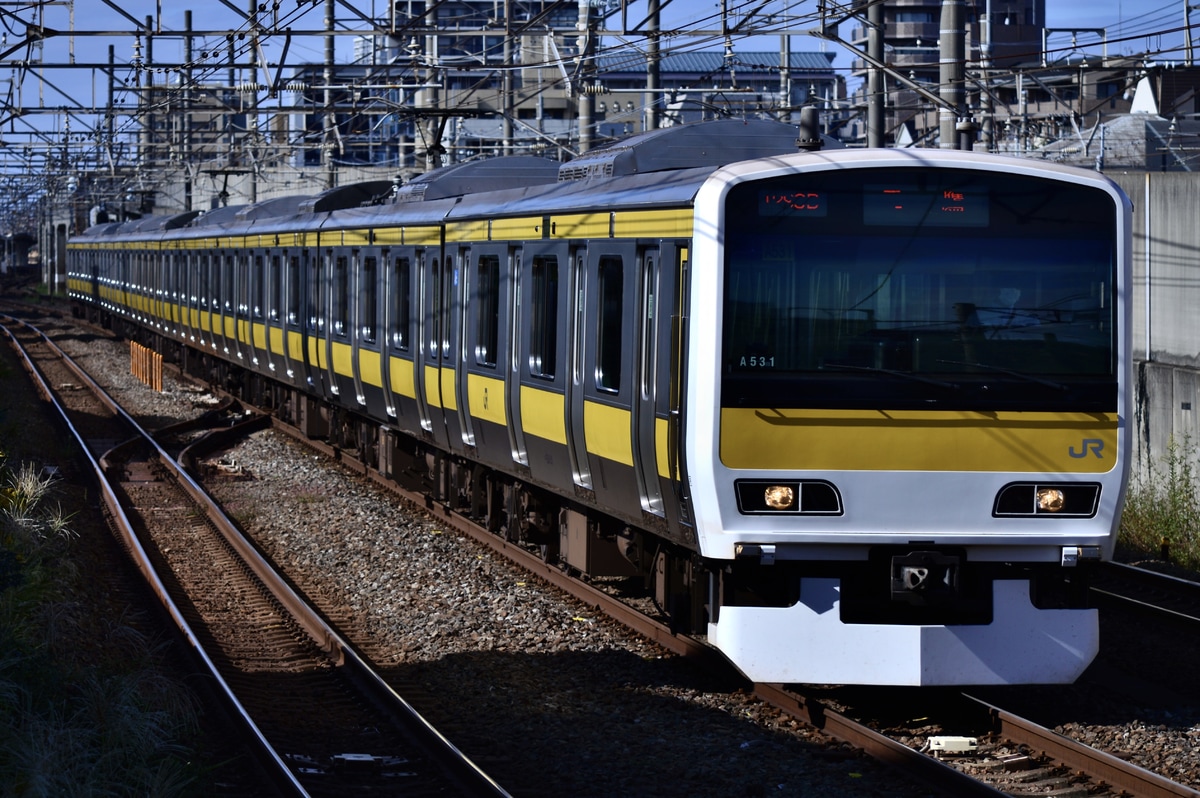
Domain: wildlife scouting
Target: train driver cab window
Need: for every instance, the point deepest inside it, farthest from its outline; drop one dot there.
(487, 304)
(367, 298)
(401, 298)
(543, 318)
(609, 287)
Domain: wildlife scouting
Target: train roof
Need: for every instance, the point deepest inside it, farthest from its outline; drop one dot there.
(353, 195)
(699, 144)
(218, 217)
(472, 177)
(658, 168)
(101, 229)
(277, 206)
(149, 224)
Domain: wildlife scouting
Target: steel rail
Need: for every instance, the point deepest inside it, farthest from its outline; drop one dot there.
(1117, 772)
(280, 773)
(936, 774)
(473, 780)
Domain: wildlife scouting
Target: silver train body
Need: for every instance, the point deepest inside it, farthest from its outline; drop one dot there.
(860, 416)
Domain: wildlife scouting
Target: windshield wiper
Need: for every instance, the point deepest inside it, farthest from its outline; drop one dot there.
(1000, 369)
(907, 375)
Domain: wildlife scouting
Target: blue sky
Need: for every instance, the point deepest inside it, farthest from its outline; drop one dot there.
(1134, 26)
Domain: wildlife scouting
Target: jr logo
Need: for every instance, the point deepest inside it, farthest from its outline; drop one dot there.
(1094, 445)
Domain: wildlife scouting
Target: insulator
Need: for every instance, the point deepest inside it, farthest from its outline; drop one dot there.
(596, 88)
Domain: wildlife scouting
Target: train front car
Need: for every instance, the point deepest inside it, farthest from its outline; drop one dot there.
(907, 436)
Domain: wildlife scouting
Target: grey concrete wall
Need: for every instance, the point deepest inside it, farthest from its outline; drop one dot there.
(1166, 311)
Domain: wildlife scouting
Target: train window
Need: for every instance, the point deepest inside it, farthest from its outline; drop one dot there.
(609, 287)
(873, 293)
(367, 298)
(315, 320)
(256, 306)
(401, 298)
(543, 320)
(242, 299)
(212, 278)
(341, 278)
(227, 281)
(293, 290)
(487, 309)
(650, 280)
(276, 290)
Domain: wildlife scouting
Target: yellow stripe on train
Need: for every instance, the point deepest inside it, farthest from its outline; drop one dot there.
(885, 440)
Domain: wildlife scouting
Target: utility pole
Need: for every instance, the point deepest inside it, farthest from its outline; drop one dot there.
(985, 93)
(185, 157)
(952, 71)
(653, 58)
(875, 86)
(251, 109)
(151, 133)
(1187, 31)
(506, 123)
(330, 133)
(585, 71)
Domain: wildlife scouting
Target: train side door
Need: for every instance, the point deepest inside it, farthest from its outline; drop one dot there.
(402, 280)
(513, 369)
(436, 386)
(339, 371)
(487, 362)
(194, 293)
(543, 326)
(234, 303)
(459, 429)
(368, 335)
(216, 287)
(256, 332)
(578, 288)
(316, 318)
(608, 385)
(387, 331)
(292, 322)
(645, 399)
(276, 313)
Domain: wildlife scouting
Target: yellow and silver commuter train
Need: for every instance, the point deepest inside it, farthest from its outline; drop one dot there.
(859, 416)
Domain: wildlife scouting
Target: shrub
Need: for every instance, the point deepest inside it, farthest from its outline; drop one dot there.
(1162, 511)
(97, 719)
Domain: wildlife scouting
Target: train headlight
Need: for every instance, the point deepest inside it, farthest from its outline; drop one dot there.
(793, 497)
(1050, 500)
(779, 497)
(1055, 499)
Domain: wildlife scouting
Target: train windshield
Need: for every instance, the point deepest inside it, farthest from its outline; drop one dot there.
(919, 288)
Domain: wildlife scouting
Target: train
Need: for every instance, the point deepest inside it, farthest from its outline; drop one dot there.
(858, 416)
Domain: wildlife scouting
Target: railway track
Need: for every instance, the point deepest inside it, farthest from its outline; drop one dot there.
(1009, 755)
(320, 720)
(1157, 594)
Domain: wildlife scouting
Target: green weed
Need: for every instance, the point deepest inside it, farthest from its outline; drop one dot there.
(1162, 511)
